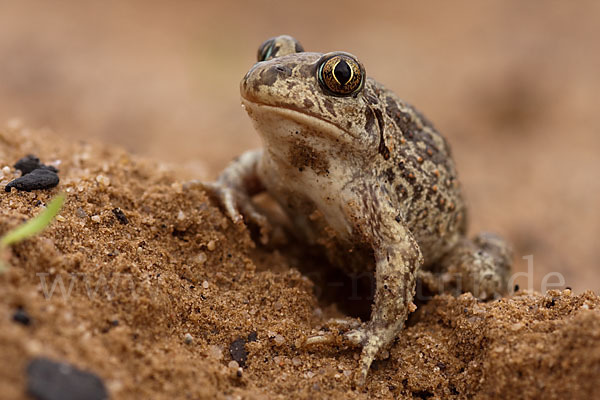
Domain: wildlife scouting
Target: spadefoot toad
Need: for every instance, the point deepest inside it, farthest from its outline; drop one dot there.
(364, 174)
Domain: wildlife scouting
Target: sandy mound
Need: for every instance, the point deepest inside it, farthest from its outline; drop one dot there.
(150, 287)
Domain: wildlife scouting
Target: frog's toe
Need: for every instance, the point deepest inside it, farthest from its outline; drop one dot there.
(356, 336)
(251, 214)
(319, 339)
(348, 323)
(371, 346)
(236, 205)
(226, 197)
(336, 325)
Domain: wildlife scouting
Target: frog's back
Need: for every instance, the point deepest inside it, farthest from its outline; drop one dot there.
(418, 172)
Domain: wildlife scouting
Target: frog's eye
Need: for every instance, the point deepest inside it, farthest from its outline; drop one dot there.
(266, 50)
(340, 74)
(278, 46)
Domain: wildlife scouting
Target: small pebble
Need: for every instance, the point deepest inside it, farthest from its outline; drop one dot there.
(60, 218)
(33, 347)
(180, 216)
(21, 317)
(188, 339)
(114, 386)
(296, 362)
(279, 340)
(177, 187)
(51, 380)
(205, 284)
(233, 365)
(96, 218)
(215, 352)
(211, 245)
(201, 258)
(120, 216)
(412, 307)
(103, 180)
(36, 180)
(516, 326)
(238, 352)
(6, 170)
(28, 164)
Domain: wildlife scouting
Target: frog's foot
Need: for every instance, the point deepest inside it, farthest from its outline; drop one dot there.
(480, 266)
(236, 204)
(356, 336)
(372, 342)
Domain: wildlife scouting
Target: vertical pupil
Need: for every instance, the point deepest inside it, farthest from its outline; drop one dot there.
(342, 72)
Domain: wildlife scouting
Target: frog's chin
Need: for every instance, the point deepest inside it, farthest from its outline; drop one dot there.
(281, 122)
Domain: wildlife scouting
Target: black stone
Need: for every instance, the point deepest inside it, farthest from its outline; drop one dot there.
(51, 380)
(342, 72)
(41, 178)
(238, 352)
(49, 168)
(29, 163)
(252, 336)
(120, 215)
(21, 317)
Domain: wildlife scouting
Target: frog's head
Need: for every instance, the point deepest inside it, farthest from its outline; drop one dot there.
(324, 99)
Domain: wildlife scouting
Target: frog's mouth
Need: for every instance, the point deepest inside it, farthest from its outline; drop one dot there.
(315, 125)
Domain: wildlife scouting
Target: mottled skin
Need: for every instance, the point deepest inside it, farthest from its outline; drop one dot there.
(367, 177)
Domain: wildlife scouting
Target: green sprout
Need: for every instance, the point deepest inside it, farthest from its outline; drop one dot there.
(33, 226)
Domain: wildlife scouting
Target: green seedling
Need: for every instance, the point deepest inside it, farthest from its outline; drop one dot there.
(33, 226)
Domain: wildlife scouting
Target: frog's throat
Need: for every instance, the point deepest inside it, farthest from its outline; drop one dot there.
(299, 116)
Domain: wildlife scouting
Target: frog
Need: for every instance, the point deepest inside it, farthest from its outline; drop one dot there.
(364, 176)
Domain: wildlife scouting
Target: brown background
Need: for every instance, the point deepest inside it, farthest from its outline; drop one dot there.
(514, 86)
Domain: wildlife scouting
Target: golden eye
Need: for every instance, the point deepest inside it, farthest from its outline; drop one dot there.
(340, 74)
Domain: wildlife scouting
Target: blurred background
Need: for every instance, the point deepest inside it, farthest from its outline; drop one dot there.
(514, 85)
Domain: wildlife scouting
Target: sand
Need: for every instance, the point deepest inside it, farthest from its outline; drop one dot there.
(159, 296)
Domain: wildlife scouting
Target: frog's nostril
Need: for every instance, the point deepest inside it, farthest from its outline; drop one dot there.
(283, 70)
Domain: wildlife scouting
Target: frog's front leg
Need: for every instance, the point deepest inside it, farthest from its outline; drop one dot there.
(234, 188)
(398, 258)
